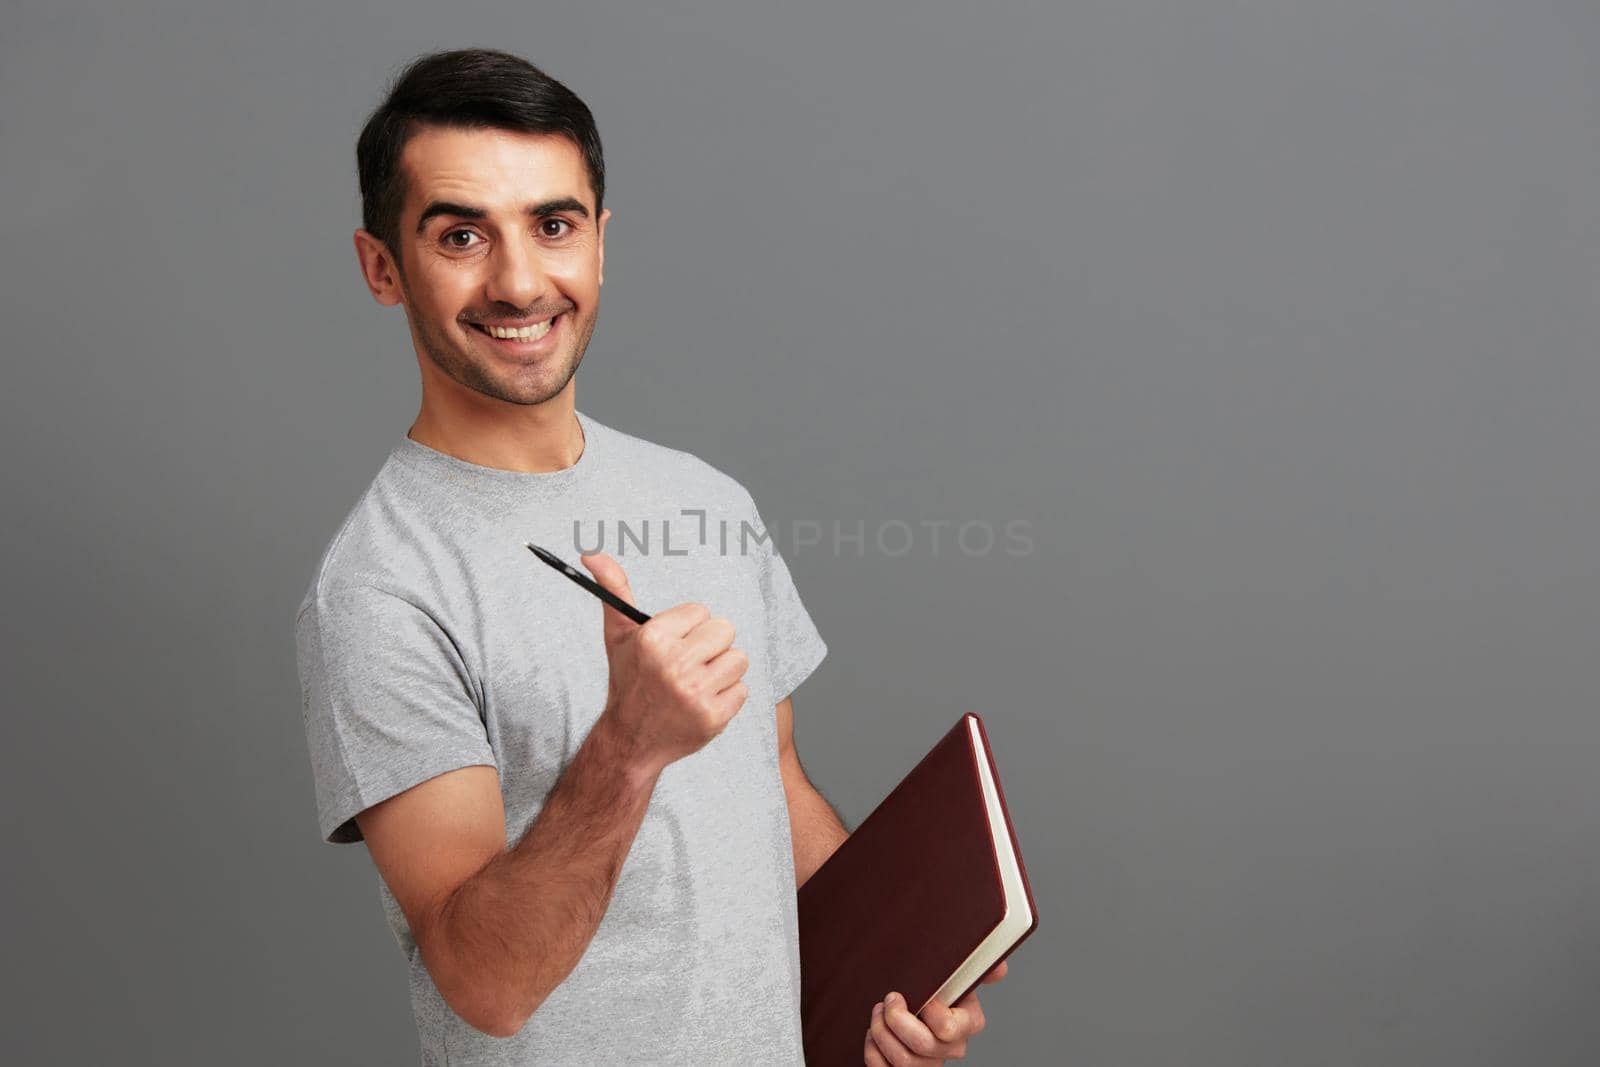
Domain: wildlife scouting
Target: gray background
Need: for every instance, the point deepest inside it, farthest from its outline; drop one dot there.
(1275, 322)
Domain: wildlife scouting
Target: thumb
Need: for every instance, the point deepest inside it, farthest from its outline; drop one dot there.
(608, 573)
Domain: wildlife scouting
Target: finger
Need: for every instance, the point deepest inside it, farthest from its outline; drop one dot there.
(709, 639)
(871, 1056)
(610, 576)
(942, 1023)
(940, 1031)
(997, 972)
(894, 1050)
(728, 702)
(727, 668)
(681, 618)
(969, 1014)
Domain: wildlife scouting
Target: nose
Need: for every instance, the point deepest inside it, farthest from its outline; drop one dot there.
(516, 275)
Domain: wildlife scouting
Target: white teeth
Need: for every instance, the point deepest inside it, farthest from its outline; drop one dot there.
(526, 333)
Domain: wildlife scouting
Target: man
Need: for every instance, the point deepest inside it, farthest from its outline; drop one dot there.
(588, 844)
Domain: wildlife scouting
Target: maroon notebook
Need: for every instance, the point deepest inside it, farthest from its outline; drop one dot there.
(924, 898)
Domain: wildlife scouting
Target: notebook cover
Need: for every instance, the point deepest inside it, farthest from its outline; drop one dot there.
(903, 902)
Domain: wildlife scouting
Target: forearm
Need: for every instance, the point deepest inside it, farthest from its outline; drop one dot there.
(814, 826)
(513, 932)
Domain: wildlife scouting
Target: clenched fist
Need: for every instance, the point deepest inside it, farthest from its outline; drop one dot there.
(676, 681)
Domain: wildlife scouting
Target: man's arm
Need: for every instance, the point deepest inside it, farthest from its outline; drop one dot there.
(499, 929)
(813, 824)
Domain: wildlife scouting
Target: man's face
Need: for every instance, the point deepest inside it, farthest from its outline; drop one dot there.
(498, 229)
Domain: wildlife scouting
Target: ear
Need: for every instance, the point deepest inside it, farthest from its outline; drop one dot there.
(378, 269)
(600, 228)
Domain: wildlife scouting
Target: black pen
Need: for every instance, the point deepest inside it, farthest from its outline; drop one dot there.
(588, 583)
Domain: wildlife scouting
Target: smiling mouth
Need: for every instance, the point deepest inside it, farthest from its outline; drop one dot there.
(522, 334)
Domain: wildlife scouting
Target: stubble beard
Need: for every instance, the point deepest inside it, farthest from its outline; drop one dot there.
(526, 387)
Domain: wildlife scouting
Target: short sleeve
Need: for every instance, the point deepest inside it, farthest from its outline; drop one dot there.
(794, 647)
(387, 700)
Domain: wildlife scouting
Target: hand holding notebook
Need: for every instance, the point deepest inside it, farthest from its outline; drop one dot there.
(925, 898)
(938, 1033)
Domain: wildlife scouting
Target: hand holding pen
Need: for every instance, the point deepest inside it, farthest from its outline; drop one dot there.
(676, 680)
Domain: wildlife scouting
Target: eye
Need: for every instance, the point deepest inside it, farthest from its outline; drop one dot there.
(449, 238)
(554, 221)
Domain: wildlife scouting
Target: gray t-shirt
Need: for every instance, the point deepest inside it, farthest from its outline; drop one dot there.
(431, 638)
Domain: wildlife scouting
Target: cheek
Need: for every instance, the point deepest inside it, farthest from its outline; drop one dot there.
(447, 293)
(576, 272)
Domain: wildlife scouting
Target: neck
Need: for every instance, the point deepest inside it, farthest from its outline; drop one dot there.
(537, 441)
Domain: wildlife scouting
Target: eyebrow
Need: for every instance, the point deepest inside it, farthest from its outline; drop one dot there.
(533, 211)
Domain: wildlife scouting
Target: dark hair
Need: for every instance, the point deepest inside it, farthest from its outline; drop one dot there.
(469, 88)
